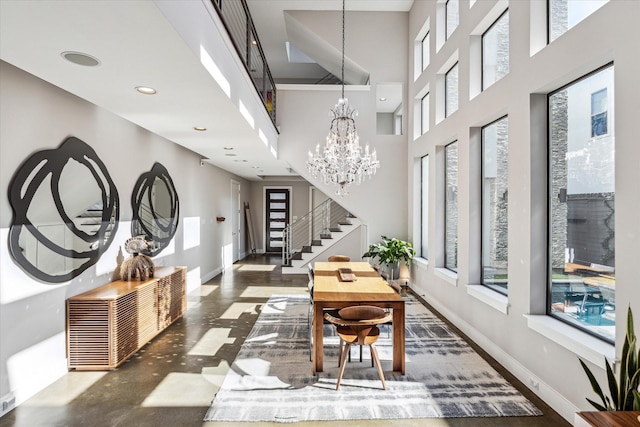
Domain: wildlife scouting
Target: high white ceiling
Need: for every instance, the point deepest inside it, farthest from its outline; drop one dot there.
(136, 46)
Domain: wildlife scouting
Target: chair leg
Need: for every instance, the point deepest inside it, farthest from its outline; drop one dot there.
(372, 358)
(310, 323)
(340, 352)
(375, 356)
(347, 347)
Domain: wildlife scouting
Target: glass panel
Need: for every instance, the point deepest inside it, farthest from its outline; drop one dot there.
(582, 209)
(451, 207)
(495, 225)
(277, 205)
(277, 215)
(426, 52)
(599, 113)
(453, 8)
(451, 83)
(277, 196)
(564, 14)
(424, 204)
(424, 106)
(495, 51)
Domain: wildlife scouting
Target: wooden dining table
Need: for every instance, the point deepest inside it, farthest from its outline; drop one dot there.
(369, 288)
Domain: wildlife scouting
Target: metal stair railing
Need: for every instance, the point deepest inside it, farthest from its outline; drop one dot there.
(237, 20)
(308, 230)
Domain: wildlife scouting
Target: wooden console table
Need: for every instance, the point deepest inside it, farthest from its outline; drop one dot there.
(108, 324)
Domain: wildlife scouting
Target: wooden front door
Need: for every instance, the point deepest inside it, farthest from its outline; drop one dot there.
(277, 212)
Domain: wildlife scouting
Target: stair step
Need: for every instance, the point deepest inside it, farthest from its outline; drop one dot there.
(325, 236)
(306, 249)
(316, 243)
(297, 255)
(335, 229)
(345, 223)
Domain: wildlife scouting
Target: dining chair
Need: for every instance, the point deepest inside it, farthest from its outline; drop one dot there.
(339, 258)
(358, 325)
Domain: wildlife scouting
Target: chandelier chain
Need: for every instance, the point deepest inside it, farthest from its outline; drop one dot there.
(343, 13)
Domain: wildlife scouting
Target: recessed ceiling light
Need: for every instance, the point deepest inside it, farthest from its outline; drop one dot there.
(199, 128)
(80, 58)
(228, 148)
(383, 99)
(256, 167)
(230, 154)
(146, 90)
(240, 161)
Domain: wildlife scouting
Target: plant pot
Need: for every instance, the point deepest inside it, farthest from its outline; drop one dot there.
(393, 270)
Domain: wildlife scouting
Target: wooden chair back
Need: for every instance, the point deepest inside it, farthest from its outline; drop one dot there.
(339, 258)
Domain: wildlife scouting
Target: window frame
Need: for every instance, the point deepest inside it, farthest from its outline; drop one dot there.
(482, 199)
(548, 5)
(446, 210)
(423, 65)
(482, 49)
(447, 113)
(549, 232)
(424, 206)
(447, 35)
(424, 127)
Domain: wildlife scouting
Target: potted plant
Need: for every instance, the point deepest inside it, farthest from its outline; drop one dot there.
(390, 252)
(624, 390)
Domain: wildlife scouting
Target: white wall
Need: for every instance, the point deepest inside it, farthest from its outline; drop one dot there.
(610, 34)
(375, 41)
(35, 115)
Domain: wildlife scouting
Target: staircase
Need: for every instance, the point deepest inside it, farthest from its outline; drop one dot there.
(314, 233)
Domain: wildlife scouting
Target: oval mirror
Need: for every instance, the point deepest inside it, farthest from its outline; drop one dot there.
(65, 212)
(155, 208)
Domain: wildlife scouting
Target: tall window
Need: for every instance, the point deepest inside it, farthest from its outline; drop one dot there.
(451, 207)
(582, 207)
(495, 248)
(426, 52)
(424, 111)
(452, 16)
(451, 88)
(424, 207)
(564, 14)
(495, 51)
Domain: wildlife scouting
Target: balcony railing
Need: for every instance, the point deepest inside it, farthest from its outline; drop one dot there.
(237, 20)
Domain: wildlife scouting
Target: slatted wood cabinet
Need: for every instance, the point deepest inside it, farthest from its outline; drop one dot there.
(108, 324)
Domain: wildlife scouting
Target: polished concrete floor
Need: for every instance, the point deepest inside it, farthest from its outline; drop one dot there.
(171, 380)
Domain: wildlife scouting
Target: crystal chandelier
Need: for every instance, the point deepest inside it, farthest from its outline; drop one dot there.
(342, 161)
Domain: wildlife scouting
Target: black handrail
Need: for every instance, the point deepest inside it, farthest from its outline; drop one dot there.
(239, 25)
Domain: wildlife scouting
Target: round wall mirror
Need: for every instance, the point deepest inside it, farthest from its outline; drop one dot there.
(155, 208)
(65, 212)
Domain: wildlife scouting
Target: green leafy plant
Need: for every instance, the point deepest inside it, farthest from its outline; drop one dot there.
(624, 391)
(391, 251)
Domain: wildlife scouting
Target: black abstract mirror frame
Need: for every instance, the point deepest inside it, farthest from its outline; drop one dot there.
(156, 208)
(84, 245)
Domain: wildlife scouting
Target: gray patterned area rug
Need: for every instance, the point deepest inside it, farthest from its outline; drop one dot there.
(271, 379)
